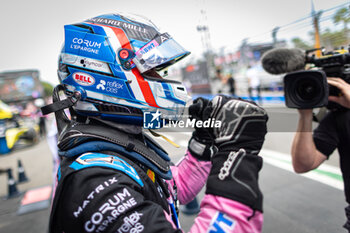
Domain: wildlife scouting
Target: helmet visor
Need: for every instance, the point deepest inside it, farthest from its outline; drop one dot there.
(159, 53)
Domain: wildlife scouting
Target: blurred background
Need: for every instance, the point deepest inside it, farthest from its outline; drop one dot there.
(226, 38)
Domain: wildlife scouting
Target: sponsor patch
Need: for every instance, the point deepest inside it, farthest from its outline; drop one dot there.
(85, 62)
(83, 79)
(151, 45)
(103, 160)
(111, 209)
(132, 223)
(221, 223)
(95, 192)
(113, 87)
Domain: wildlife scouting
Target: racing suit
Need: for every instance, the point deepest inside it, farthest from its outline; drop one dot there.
(105, 185)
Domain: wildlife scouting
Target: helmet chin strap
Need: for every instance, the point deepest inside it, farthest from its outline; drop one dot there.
(59, 105)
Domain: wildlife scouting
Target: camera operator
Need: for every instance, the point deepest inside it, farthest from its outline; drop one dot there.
(311, 148)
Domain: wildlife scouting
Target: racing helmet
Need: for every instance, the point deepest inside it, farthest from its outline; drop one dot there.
(112, 61)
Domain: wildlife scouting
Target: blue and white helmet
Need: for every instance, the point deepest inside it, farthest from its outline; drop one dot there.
(113, 60)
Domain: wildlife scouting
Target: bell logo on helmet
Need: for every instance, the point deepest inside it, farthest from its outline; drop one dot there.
(83, 79)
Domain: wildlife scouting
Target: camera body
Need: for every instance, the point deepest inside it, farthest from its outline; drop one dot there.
(306, 89)
(309, 89)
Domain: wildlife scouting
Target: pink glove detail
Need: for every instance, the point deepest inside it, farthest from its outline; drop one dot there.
(219, 214)
(190, 176)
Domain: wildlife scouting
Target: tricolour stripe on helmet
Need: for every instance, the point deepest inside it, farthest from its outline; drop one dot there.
(115, 43)
(138, 84)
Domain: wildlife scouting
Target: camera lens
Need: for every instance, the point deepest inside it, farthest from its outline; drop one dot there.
(307, 89)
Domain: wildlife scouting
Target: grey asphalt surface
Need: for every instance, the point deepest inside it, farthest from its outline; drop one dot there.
(37, 162)
(292, 203)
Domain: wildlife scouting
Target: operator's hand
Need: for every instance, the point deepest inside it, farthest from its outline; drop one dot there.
(201, 144)
(236, 165)
(344, 87)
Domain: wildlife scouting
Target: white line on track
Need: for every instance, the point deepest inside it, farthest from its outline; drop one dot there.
(324, 174)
